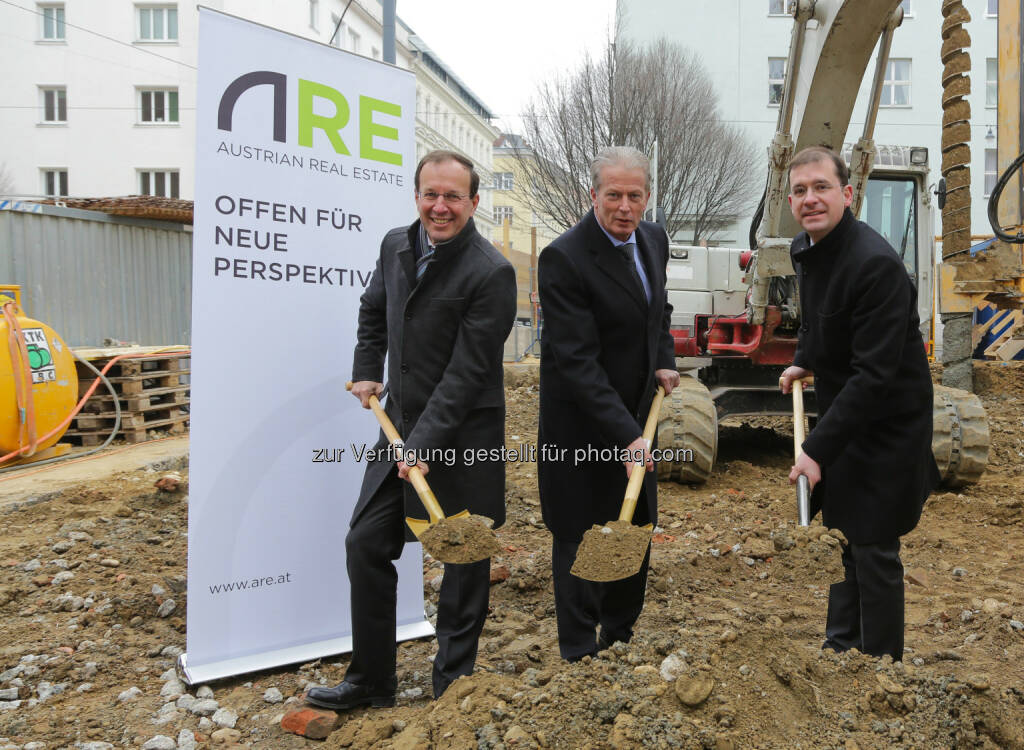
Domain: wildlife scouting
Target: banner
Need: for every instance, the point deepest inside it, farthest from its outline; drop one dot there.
(304, 160)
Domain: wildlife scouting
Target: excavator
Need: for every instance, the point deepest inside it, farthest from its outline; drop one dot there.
(736, 312)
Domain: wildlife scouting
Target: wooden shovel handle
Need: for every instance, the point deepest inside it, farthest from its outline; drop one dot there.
(419, 482)
(636, 477)
(799, 431)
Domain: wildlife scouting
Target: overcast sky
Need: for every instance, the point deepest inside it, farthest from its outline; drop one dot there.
(501, 50)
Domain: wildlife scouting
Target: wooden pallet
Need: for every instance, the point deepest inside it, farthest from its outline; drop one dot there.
(1011, 340)
(153, 392)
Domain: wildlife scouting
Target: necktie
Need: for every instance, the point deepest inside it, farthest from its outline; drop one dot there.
(421, 263)
(628, 253)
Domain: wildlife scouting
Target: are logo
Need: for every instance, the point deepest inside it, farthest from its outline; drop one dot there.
(308, 92)
(40, 360)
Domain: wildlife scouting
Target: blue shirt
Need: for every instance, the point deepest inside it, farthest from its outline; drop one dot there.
(617, 243)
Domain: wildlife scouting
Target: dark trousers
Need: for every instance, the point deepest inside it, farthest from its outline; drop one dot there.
(372, 545)
(865, 611)
(581, 606)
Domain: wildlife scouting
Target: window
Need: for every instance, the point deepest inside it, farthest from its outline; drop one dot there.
(896, 87)
(375, 53)
(353, 40)
(777, 8)
(890, 208)
(501, 213)
(990, 171)
(776, 79)
(314, 14)
(503, 181)
(53, 22)
(991, 82)
(158, 106)
(55, 182)
(158, 23)
(338, 29)
(906, 8)
(163, 183)
(993, 8)
(55, 105)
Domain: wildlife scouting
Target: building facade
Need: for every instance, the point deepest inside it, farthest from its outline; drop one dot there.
(100, 97)
(744, 45)
(528, 232)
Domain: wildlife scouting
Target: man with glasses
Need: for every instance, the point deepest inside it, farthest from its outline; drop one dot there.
(604, 350)
(868, 459)
(439, 306)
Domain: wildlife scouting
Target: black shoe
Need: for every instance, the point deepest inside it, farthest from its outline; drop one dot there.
(349, 695)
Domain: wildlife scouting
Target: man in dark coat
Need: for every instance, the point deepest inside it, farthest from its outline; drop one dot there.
(868, 458)
(604, 349)
(440, 305)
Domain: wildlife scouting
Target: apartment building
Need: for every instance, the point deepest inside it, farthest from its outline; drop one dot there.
(98, 98)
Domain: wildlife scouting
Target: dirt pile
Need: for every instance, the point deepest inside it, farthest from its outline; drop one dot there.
(460, 539)
(726, 655)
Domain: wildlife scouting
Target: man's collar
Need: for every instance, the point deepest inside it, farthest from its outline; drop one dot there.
(457, 241)
(834, 236)
(616, 242)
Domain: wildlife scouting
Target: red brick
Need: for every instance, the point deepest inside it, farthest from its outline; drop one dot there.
(499, 573)
(168, 484)
(310, 722)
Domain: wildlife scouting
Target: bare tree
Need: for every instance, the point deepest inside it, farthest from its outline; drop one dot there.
(6, 181)
(634, 97)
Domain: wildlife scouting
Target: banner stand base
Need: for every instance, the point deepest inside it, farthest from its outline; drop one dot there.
(203, 673)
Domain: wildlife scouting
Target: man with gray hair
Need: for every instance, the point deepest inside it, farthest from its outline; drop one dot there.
(605, 348)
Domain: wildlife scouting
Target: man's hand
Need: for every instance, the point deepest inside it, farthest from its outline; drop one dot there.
(403, 469)
(667, 379)
(634, 450)
(808, 467)
(790, 374)
(363, 389)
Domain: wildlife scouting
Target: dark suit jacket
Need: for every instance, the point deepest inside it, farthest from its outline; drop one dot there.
(444, 338)
(860, 336)
(600, 346)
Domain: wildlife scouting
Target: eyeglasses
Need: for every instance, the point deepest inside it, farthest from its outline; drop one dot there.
(453, 198)
(818, 188)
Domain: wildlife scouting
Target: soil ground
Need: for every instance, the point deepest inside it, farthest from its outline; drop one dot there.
(726, 654)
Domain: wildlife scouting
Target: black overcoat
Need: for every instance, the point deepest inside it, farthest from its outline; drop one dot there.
(860, 336)
(600, 346)
(444, 338)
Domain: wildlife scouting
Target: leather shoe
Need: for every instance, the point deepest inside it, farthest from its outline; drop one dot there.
(349, 695)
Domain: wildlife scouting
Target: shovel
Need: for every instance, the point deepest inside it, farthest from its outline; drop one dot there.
(803, 487)
(617, 549)
(459, 538)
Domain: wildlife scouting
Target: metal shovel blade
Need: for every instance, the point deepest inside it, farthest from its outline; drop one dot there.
(419, 525)
(460, 538)
(617, 549)
(612, 552)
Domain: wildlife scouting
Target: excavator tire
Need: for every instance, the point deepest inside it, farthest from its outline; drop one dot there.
(688, 421)
(960, 436)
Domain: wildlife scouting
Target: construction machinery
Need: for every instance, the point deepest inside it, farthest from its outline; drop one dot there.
(736, 312)
(987, 277)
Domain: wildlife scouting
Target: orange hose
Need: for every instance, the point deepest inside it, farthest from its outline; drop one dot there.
(88, 393)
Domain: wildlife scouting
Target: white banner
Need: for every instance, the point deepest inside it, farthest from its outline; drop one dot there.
(304, 160)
